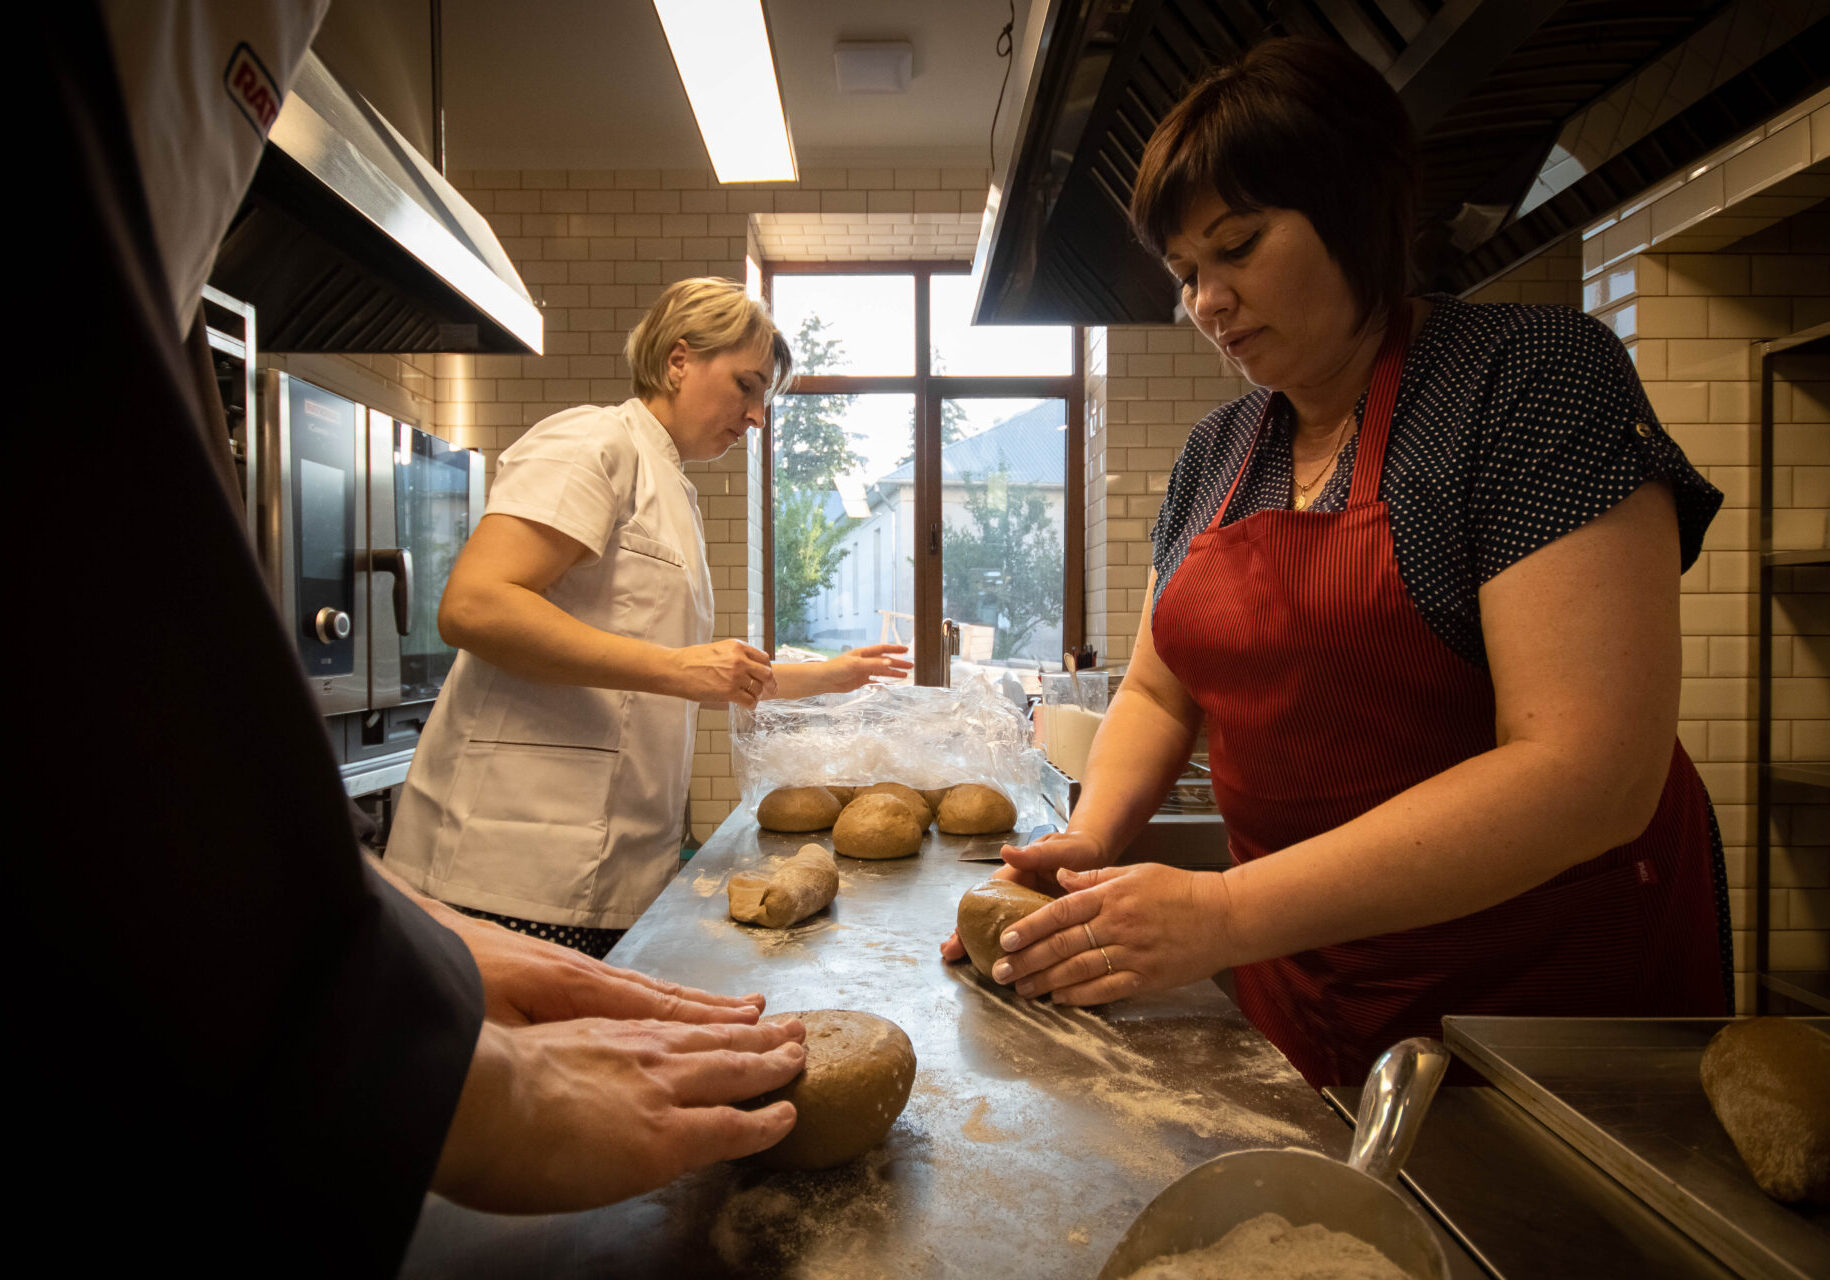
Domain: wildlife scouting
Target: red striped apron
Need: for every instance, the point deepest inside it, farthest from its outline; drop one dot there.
(1326, 693)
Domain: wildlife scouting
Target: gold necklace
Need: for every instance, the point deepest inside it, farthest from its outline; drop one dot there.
(1301, 499)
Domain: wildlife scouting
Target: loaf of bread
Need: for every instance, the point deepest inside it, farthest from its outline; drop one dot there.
(916, 802)
(859, 1071)
(797, 809)
(1769, 1082)
(876, 826)
(793, 891)
(975, 809)
(986, 911)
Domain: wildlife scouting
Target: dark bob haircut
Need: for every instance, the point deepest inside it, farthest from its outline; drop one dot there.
(1294, 124)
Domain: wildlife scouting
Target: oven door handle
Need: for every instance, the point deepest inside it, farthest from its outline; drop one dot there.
(399, 562)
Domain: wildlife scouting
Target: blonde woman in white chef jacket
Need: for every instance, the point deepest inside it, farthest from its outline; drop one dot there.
(549, 786)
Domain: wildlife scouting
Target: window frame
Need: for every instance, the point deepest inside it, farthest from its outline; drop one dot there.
(929, 390)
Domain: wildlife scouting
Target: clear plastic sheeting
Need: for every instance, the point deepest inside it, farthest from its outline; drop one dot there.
(922, 737)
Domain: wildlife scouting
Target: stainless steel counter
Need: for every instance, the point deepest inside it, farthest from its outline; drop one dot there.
(1032, 1138)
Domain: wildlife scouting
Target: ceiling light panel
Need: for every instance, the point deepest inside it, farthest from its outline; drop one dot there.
(721, 48)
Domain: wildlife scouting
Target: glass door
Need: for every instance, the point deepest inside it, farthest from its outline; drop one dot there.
(1003, 530)
(437, 497)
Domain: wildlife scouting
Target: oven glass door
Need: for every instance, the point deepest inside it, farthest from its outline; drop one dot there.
(437, 498)
(324, 460)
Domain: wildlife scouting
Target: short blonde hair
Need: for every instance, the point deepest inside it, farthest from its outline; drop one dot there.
(712, 315)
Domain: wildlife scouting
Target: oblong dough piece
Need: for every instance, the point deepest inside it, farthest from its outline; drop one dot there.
(792, 892)
(844, 795)
(1769, 1082)
(876, 826)
(859, 1071)
(934, 795)
(986, 911)
(908, 795)
(796, 809)
(974, 809)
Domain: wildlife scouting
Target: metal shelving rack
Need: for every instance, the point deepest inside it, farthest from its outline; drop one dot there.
(1788, 781)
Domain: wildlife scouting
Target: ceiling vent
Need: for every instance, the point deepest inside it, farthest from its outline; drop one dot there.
(873, 66)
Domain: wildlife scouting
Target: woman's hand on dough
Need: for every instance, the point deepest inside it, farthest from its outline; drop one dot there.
(1034, 866)
(1041, 858)
(723, 671)
(1151, 927)
(572, 1115)
(528, 980)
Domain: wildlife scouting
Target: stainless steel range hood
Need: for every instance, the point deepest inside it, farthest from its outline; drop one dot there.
(350, 241)
(1491, 86)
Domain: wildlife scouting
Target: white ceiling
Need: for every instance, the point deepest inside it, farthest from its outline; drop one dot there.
(590, 84)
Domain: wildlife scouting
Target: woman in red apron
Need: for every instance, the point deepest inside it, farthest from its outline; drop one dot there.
(1421, 590)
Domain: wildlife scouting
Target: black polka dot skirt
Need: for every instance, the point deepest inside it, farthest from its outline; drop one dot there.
(595, 943)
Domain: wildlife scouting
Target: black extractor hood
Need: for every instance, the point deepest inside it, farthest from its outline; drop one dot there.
(350, 241)
(1499, 90)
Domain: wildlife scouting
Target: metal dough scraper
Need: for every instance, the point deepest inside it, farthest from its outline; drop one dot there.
(989, 848)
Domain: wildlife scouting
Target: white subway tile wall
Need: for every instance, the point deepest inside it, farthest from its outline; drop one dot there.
(1695, 317)
(1146, 386)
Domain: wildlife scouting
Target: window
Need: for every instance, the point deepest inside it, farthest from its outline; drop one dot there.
(948, 454)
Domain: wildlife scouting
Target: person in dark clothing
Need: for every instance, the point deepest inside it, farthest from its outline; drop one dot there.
(247, 1049)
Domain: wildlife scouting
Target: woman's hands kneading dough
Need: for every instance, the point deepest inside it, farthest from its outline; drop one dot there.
(1034, 866)
(1120, 931)
(573, 1115)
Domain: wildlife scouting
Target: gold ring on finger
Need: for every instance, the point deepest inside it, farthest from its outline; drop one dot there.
(1108, 960)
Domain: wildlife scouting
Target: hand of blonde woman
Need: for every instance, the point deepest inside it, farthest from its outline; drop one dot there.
(723, 671)
(1034, 866)
(1120, 931)
(573, 1115)
(856, 668)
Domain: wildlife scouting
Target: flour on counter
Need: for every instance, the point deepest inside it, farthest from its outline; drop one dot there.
(979, 1127)
(1124, 1080)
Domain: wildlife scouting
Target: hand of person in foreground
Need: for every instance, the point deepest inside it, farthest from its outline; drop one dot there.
(856, 668)
(1120, 931)
(573, 1115)
(529, 980)
(1034, 866)
(723, 671)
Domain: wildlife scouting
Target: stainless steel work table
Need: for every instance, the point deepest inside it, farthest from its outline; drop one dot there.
(1033, 1137)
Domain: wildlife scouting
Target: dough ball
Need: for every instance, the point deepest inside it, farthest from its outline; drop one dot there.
(797, 809)
(859, 1071)
(972, 809)
(934, 795)
(908, 795)
(792, 892)
(989, 909)
(844, 795)
(876, 826)
(1769, 1082)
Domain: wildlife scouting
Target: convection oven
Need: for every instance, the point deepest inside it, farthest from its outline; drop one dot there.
(366, 515)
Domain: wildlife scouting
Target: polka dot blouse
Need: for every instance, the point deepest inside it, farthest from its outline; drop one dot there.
(1513, 426)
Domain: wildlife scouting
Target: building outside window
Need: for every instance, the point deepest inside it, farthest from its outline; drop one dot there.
(945, 453)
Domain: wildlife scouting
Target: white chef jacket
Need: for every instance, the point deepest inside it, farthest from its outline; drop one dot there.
(553, 802)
